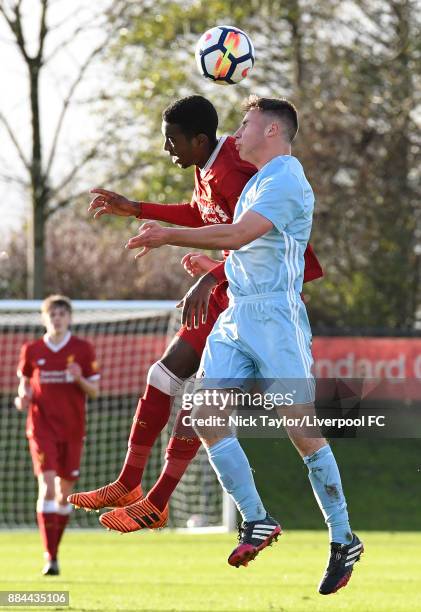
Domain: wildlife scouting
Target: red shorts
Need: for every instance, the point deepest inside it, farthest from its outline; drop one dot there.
(197, 337)
(60, 457)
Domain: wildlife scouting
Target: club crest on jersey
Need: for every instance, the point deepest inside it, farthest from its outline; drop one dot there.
(70, 358)
(41, 362)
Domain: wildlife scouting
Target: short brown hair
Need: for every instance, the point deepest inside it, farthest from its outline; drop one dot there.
(56, 300)
(282, 108)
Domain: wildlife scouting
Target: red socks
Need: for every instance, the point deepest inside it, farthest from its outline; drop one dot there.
(47, 524)
(152, 414)
(52, 525)
(62, 520)
(181, 450)
(63, 515)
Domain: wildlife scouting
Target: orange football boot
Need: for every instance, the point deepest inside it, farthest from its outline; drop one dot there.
(141, 515)
(113, 495)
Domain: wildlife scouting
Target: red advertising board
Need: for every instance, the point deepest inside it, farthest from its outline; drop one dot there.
(125, 360)
(391, 367)
(385, 358)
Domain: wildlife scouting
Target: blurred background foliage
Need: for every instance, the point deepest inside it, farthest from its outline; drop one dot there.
(352, 70)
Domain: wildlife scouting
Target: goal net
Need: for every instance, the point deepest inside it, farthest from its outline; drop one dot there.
(128, 337)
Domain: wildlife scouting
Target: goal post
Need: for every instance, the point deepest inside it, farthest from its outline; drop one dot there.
(128, 337)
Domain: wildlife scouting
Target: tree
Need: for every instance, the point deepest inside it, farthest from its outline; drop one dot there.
(99, 267)
(351, 68)
(364, 145)
(352, 73)
(48, 188)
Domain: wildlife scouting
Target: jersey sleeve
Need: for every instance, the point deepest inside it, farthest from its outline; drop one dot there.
(25, 367)
(312, 267)
(279, 202)
(186, 214)
(90, 368)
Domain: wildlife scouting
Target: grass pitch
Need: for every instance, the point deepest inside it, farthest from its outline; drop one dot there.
(173, 572)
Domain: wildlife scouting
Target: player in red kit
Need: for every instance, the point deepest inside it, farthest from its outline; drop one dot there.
(56, 374)
(189, 128)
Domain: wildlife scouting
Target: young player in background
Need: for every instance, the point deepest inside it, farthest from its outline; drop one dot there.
(189, 128)
(56, 374)
(265, 333)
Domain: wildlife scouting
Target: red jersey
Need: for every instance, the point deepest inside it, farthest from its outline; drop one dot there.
(217, 187)
(57, 408)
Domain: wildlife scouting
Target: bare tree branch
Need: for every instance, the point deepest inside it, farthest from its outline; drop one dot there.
(13, 138)
(64, 43)
(9, 178)
(16, 27)
(43, 30)
(71, 198)
(56, 26)
(90, 154)
(92, 24)
(120, 176)
(5, 15)
(67, 101)
(64, 202)
(73, 87)
(93, 15)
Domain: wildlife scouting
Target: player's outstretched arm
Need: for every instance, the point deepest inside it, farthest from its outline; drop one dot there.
(111, 203)
(233, 236)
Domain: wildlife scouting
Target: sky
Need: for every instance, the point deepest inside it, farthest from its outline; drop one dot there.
(56, 79)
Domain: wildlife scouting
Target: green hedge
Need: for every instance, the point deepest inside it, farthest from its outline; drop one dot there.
(381, 480)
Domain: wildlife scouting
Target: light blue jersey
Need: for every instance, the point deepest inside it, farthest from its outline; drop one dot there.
(265, 333)
(274, 262)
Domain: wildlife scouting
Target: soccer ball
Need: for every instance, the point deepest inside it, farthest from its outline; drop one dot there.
(225, 55)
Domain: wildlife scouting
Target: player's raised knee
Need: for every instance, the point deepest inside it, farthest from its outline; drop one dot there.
(160, 377)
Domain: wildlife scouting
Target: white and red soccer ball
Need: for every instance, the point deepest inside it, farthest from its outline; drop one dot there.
(225, 55)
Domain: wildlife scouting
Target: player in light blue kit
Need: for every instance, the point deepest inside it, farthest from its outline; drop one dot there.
(265, 332)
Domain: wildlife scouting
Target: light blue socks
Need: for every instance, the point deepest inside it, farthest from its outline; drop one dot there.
(234, 473)
(326, 482)
(233, 470)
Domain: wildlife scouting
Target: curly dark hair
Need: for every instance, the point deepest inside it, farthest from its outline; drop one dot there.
(194, 115)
